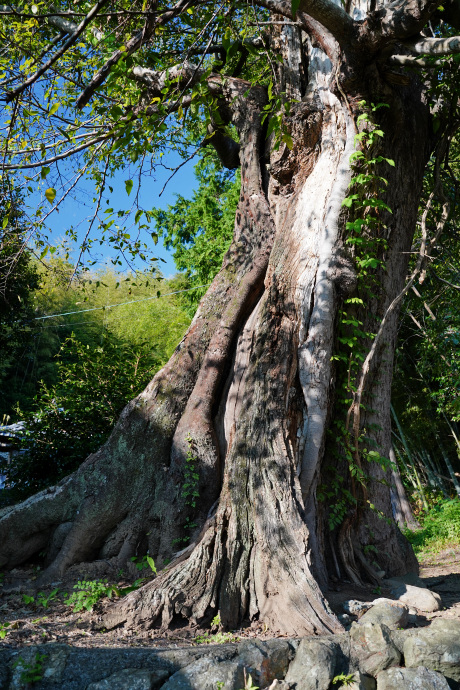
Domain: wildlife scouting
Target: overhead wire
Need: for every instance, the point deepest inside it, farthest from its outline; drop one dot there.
(120, 304)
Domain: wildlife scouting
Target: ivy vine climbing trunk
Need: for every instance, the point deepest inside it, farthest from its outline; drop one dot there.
(245, 404)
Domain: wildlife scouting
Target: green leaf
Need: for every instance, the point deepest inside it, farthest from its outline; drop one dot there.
(50, 194)
(288, 140)
(45, 171)
(54, 108)
(129, 186)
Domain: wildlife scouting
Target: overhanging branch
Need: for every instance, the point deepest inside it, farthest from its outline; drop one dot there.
(412, 61)
(130, 47)
(435, 46)
(331, 16)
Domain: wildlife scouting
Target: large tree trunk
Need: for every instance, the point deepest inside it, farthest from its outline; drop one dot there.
(248, 396)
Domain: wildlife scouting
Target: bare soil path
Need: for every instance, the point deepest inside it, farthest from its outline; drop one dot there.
(26, 622)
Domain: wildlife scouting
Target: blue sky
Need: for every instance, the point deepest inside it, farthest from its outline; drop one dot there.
(74, 211)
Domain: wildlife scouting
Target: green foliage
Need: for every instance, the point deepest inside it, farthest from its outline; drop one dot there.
(18, 279)
(200, 229)
(43, 599)
(30, 672)
(4, 630)
(343, 678)
(75, 417)
(190, 489)
(88, 593)
(216, 638)
(367, 243)
(440, 529)
(144, 562)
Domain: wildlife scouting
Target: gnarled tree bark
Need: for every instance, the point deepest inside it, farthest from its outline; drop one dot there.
(249, 392)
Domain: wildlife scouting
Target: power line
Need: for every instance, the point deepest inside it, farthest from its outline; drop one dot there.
(121, 304)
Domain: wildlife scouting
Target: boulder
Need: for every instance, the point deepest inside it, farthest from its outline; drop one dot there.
(355, 607)
(129, 679)
(48, 660)
(418, 598)
(265, 661)
(315, 664)
(437, 647)
(207, 673)
(419, 678)
(393, 614)
(372, 649)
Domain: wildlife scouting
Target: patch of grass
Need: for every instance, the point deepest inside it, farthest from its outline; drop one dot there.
(217, 638)
(440, 529)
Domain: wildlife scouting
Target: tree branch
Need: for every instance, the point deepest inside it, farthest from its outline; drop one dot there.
(331, 16)
(130, 47)
(71, 40)
(435, 46)
(412, 61)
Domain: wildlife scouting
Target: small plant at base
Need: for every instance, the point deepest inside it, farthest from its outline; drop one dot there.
(87, 594)
(343, 679)
(141, 563)
(30, 672)
(4, 630)
(44, 600)
(217, 638)
(248, 683)
(189, 489)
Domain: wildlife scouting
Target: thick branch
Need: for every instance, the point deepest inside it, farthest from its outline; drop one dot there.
(131, 46)
(435, 46)
(399, 20)
(331, 16)
(412, 61)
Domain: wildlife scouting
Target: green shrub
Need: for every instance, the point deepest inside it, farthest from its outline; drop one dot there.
(440, 528)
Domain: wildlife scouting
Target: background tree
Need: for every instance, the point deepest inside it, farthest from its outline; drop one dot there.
(18, 280)
(310, 98)
(200, 230)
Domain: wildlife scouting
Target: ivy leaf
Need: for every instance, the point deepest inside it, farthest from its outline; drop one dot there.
(50, 194)
(129, 186)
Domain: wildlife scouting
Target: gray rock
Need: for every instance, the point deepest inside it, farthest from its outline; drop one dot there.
(265, 661)
(418, 598)
(437, 647)
(393, 614)
(281, 685)
(205, 674)
(314, 664)
(129, 679)
(47, 660)
(372, 648)
(419, 678)
(354, 606)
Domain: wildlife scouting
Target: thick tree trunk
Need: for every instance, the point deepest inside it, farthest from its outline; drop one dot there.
(248, 396)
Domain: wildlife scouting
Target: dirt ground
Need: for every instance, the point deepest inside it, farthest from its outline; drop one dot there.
(29, 622)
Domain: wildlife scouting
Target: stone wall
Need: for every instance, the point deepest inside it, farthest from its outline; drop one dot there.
(369, 656)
